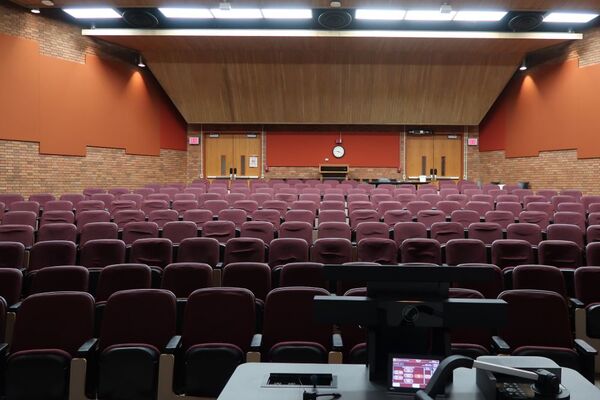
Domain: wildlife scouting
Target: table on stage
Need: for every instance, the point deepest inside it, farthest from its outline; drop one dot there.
(248, 381)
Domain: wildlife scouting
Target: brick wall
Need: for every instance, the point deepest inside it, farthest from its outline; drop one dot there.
(24, 170)
(551, 169)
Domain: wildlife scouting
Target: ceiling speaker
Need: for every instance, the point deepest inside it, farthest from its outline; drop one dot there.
(140, 19)
(524, 22)
(335, 19)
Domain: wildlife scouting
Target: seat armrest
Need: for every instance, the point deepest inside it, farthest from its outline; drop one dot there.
(256, 342)
(584, 348)
(238, 232)
(219, 265)
(88, 348)
(15, 307)
(173, 345)
(337, 342)
(500, 345)
(3, 352)
(575, 303)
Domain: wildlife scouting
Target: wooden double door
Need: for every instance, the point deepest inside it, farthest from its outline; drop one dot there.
(228, 154)
(441, 155)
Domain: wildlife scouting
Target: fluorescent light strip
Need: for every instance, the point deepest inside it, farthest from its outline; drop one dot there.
(429, 15)
(92, 13)
(237, 13)
(287, 13)
(573, 18)
(480, 16)
(191, 13)
(332, 34)
(381, 15)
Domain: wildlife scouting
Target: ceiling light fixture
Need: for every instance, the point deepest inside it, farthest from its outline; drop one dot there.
(287, 13)
(92, 13)
(237, 13)
(141, 63)
(35, 10)
(573, 18)
(429, 15)
(191, 13)
(480, 16)
(382, 15)
(48, 3)
(523, 66)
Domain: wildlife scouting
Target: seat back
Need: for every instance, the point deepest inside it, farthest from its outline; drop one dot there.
(235, 215)
(297, 229)
(465, 217)
(52, 253)
(177, 231)
(220, 230)
(254, 276)
(489, 289)
(98, 253)
(331, 251)
(117, 277)
(372, 230)
(502, 218)
(20, 218)
(156, 252)
(409, 230)
(62, 278)
(541, 277)
(244, 249)
(420, 251)
(587, 281)
(133, 231)
(487, 232)
(200, 250)
(373, 249)
(531, 233)
(98, 230)
(461, 251)
(571, 218)
(183, 278)
(262, 230)
(569, 232)
(445, 231)
(559, 253)
(303, 274)
(11, 283)
(511, 252)
(57, 232)
(287, 250)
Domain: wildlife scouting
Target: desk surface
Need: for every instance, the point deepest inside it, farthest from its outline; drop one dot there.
(353, 383)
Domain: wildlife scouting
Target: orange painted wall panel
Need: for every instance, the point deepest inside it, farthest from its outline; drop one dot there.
(306, 149)
(554, 107)
(66, 106)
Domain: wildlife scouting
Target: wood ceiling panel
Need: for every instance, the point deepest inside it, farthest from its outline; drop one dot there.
(332, 80)
(457, 4)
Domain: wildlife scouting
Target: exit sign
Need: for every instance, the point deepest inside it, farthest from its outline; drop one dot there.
(195, 140)
(472, 141)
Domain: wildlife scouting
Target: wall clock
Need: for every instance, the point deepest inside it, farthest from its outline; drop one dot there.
(338, 151)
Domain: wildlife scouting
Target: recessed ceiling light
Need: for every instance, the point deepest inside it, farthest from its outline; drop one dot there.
(192, 13)
(574, 18)
(287, 13)
(92, 13)
(48, 3)
(35, 10)
(237, 13)
(523, 66)
(389, 15)
(429, 15)
(480, 16)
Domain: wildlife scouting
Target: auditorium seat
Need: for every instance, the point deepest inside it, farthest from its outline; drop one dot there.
(74, 198)
(220, 230)
(502, 218)
(409, 230)
(525, 231)
(88, 205)
(133, 231)
(592, 234)
(586, 200)
(244, 249)
(576, 194)
(483, 198)
(143, 191)
(514, 207)
(200, 250)
(540, 218)
(570, 217)
(507, 198)
(161, 217)
(136, 345)
(445, 231)
(392, 217)
(540, 277)
(254, 276)
(183, 278)
(372, 230)
(487, 232)
(86, 217)
(364, 215)
(49, 330)
(448, 206)
(262, 230)
(489, 289)
(303, 274)
(420, 251)
(480, 207)
(465, 217)
(148, 206)
(509, 253)
(12, 254)
(98, 230)
(121, 205)
(51, 253)
(461, 251)
(212, 349)
(418, 205)
(11, 282)
(176, 231)
(63, 278)
(290, 332)
(376, 249)
(17, 233)
(359, 205)
(333, 197)
(567, 232)
(461, 199)
(182, 206)
(278, 205)
(521, 193)
(332, 215)
(429, 217)
(559, 253)
(119, 191)
(117, 277)
(547, 194)
(538, 325)
(405, 198)
(32, 206)
(198, 216)
(57, 216)
(42, 199)
(328, 206)
(542, 207)
(334, 230)
(249, 206)
(559, 199)
(571, 207)
(331, 251)
(155, 252)
(20, 218)
(297, 229)
(288, 250)
(592, 254)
